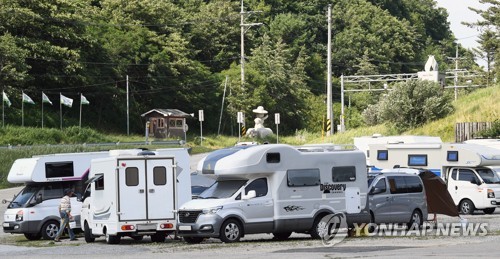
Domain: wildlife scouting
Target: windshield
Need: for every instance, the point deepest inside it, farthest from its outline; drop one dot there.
(488, 175)
(24, 196)
(222, 189)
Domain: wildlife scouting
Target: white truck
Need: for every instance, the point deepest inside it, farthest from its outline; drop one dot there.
(273, 188)
(465, 168)
(135, 194)
(34, 211)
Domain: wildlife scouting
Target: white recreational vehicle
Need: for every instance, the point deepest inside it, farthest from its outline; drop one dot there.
(273, 188)
(34, 211)
(363, 143)
(135, 194)
(465, 168)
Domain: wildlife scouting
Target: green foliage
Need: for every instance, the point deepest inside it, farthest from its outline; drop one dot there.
(493, 132)
(414, 103)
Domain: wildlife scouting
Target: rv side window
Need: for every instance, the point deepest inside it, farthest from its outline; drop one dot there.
(452, 156)
(382, 155)
(414, 184)
(159, 175)
(273, 157)
(52, 191)
(59, 169)
(259, 186)
(417, 160)
(131, 176)
(99, 184)
(303, 177)
(344, 174)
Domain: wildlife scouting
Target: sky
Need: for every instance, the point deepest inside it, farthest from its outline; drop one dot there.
(459, 12)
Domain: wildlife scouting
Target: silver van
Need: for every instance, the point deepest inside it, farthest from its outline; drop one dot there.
(397, 198)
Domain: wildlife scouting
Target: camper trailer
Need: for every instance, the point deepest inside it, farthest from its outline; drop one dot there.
(464, 167)
(273, 188)
(34, 211)
(135, 195)
(363, 143)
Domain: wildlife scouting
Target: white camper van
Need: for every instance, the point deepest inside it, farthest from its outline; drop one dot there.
(34, 211)
(135, 195)
(465, 168)
(273, 188)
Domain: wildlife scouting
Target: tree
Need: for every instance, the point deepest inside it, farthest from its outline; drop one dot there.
(413, 103)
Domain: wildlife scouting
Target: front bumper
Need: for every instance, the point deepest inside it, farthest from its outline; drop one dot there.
(205, 225)
(20, 227)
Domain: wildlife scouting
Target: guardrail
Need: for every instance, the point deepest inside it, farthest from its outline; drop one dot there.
(110, 144)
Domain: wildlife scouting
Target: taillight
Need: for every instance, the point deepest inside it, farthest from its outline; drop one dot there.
(167, 225)
(19, 215)
(128, 227)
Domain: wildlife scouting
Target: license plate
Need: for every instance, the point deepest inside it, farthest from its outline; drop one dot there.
(184, 228)
(146, 227)
(6, 225)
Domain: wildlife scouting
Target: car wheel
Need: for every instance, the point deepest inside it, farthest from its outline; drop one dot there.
(231, 231)
(466, 207)
(89, 238)
(158, 237)
(319, 228)
(281, 236)
(112, 240)
(193, 240)
(489, 210)
(416, 220)
(32, 236)
(49, 230)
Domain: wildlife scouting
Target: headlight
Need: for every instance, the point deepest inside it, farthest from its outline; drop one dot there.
(211, 210)
(19, 215)
(491, 194)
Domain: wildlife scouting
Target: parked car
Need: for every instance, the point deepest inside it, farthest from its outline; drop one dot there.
(397, 198)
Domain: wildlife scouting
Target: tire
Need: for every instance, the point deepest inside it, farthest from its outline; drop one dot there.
(49, 229)
(318, 228)
(281, 236)
(231, 231)
(33, 236)
(371, 226)
(415, 220)
(112, 240)
(466, 207)
(489, 210)
(158, 237)
(193, 240)
(89, 238)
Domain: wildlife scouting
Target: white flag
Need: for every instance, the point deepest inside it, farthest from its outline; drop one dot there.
(6, 99)
(45, 99)
(84, 100)
(66, 101)
(27, 99)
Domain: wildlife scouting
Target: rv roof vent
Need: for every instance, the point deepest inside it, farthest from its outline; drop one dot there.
(146, 153)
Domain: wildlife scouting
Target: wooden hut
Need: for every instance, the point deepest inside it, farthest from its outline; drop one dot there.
(166, 123)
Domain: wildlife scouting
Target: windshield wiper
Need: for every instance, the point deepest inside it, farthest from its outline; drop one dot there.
(211, 197)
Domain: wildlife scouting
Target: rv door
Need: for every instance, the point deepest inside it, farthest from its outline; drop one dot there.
(146, 189)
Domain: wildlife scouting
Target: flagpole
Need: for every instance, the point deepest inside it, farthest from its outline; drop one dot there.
(22, 108)
(60, 109)
(80, 124)
(42, 110)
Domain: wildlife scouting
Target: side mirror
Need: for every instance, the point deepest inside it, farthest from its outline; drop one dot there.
(251, 194)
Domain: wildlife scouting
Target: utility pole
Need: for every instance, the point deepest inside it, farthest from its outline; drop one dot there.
(128, 121)
(222, 106)
(329, 115)
(455, 80)
(244, 28)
